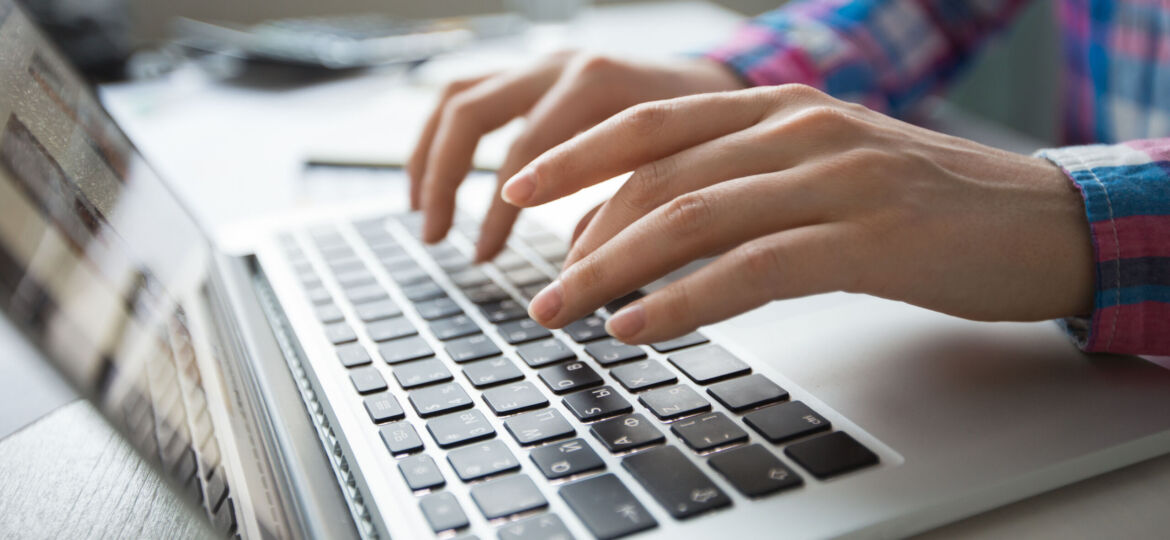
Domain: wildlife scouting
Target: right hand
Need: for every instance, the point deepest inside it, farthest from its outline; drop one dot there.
(562, 95)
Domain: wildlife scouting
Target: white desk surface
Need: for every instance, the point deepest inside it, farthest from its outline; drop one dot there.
(234, 153)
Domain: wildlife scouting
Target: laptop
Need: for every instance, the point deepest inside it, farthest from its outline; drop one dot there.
(343, 380)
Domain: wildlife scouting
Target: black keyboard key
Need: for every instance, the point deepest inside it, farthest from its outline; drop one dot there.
(405, 349)
(513, 398)
(567, 458)
(460, 428)
(639, 376)
(831, 454)
(606, 507)
(329, 313)
(472, 277)
(678, 485)
(367, 380)
(709, 431)
(224, 520)
(471, 348)
(421, 372)
(506, 496)
(689, 340)
(610, 351)
(387, 329)
(380, 309)
(586, 329)
(437, 308)
(754, 471)
(486, 293)
(340, 332)
(217, 488)
(674, 402)
(543, 353)
(420, 472)
(744, 393)
(709, 364)
(481, 460)
(626, 432)
(454, 327)
(442, 511)
(400, 438)
(490, 372)
(365, 293)
(353, 354)
(423, 290)
(522, 331)
(541, 527)
(617, 303)
(590, 405)
(503, 311)
(440, 399)
(530, 291)
(562, 378)
(786, 421)
(538, 426)
(383, 407)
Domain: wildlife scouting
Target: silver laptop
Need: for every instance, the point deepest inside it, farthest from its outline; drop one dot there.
(345, 380)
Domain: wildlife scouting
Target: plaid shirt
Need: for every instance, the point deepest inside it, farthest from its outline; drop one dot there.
(888, 54)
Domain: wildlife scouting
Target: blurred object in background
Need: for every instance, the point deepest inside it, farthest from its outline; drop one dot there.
(95, 34)
(548, 11)
(551, 22)
(342, 42)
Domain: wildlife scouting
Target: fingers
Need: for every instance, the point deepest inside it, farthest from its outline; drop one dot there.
(575, 102)
(636, 136)
(582, 224)
(466, 118)
(788, 264)
(416, 165)
(660, 181)
(689, 227)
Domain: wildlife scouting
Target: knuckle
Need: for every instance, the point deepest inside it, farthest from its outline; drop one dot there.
(794, 92)
(761, 265)
(588, 273)
(681, 304)
(645, 188)
(688, 215)
(594, 65)
(646, 119)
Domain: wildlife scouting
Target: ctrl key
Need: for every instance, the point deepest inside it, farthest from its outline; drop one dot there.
(607, 507)
(442, 511)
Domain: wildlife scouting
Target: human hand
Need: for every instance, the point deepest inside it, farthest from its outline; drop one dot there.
(560, 96)
(805, 194)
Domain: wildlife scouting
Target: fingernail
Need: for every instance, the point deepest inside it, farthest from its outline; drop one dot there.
(627, 323)
(520, 188)
(547, 302)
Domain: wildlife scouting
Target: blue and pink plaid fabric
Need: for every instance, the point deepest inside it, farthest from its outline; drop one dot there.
(889, 54)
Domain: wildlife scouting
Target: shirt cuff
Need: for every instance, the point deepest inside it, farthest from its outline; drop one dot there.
(1126, 188)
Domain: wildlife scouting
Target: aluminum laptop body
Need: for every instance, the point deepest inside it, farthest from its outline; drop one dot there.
(277, 393)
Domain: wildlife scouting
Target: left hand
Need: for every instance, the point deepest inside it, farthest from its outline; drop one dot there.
(805, 194)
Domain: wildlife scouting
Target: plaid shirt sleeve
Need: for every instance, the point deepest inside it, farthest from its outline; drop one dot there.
(1127, 196)
(884, 54)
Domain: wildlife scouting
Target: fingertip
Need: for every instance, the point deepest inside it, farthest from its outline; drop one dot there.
(627, 323)
(519, 190)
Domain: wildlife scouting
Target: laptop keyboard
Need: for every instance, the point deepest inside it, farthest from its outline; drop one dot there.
(650, 409)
